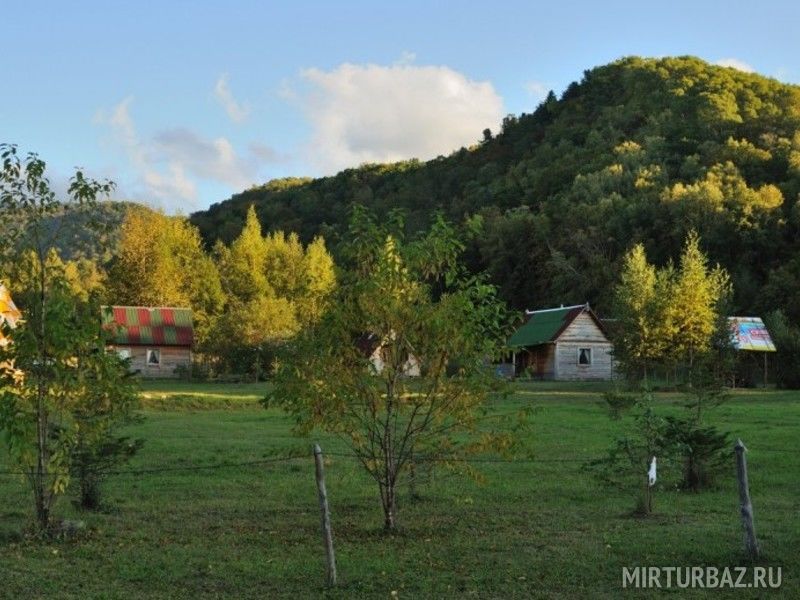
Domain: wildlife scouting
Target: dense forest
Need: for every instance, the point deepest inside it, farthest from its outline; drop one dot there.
(639, 151)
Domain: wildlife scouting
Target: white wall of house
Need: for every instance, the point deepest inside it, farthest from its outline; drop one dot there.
(583, 352)
(163, 365)
(410, 369)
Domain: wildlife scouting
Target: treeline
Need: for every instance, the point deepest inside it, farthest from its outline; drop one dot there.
(639, 151)
(247, 297)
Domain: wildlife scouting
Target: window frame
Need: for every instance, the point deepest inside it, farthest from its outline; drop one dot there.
(589, 354)
(150, 352)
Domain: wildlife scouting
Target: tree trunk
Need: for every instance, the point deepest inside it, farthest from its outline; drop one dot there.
(389, 501)
(42, 508)
(41, 492)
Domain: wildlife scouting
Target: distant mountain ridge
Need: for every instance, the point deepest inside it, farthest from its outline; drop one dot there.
(638, 150)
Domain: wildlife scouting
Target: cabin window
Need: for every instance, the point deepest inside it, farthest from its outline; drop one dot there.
(153, 358)
(584, 356)
(124, 353)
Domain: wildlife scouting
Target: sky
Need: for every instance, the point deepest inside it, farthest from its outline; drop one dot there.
(183, 104)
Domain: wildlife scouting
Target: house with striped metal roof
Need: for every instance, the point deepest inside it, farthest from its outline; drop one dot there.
(565, 343)
(156, 340)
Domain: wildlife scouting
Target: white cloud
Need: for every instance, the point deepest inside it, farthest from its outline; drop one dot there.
(165, 185)
(168, 165)
(237, 111)
(373, 113)
(537, 90)
(212, 159)
(735, 63)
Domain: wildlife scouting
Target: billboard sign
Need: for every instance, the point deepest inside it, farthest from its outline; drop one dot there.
(750, 333)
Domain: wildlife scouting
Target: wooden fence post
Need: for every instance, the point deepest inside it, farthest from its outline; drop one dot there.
(746, 506)
(327, 536)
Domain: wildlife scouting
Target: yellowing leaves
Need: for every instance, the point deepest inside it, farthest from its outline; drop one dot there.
(668, 314)
(724, 189)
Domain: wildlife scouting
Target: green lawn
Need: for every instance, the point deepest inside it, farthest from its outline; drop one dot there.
(532, 529)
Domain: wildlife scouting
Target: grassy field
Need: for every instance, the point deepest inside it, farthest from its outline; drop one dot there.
(540, 528)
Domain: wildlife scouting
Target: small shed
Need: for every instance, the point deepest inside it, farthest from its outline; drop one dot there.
(565, 343)
(157, 340)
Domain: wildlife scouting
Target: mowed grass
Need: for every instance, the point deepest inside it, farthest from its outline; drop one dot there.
(532, 528)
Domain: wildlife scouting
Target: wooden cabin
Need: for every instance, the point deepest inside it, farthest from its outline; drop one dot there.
(157, 340)
(372, 347)
(566, 343)
(9, 314)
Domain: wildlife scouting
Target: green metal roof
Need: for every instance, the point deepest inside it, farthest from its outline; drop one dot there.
(544, 326)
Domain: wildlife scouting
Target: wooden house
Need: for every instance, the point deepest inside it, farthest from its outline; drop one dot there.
(372, 347)
(157, 340)
(566, 343)
(9, 314)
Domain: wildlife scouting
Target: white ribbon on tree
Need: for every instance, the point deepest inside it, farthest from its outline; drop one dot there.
(651, 474)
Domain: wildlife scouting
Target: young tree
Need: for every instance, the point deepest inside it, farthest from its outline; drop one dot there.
(56, 363)
(411, 304)
(628, 461)
(640, 338)
(694, 306)
(103, 407)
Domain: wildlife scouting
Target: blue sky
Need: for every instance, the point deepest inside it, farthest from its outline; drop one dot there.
(186, 103)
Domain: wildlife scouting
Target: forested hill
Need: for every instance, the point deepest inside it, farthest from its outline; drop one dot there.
(638, 150)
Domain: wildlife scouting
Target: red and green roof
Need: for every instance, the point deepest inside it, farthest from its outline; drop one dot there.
(148, 326)
(545, 326)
